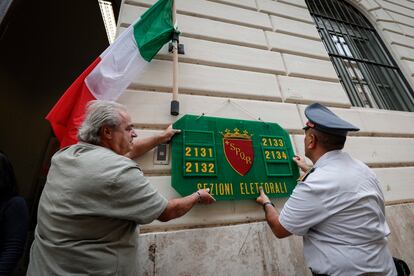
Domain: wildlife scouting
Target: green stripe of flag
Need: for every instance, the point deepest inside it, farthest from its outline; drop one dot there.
(154, 29)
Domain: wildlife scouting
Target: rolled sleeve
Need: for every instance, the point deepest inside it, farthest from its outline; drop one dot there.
(302, 211)
(136, 199)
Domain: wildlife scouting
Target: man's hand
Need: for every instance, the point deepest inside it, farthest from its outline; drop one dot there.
(143, 145)
(204, 196)
(168, 133)
(300, 161)
(262, 197)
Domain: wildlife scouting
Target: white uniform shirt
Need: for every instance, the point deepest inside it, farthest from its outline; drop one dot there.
(339, 210)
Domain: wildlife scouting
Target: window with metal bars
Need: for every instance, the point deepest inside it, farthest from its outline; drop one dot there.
(365, 68)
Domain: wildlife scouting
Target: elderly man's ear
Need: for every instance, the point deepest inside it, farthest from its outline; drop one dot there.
(106, 132)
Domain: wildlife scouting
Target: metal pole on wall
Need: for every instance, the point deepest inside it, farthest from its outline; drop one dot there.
(175, 105)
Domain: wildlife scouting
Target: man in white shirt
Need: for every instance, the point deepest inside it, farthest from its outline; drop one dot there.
(337, 206)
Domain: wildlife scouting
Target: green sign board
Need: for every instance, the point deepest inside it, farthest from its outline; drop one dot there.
(232, 157)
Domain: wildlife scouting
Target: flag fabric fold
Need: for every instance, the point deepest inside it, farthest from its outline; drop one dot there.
(111, 73)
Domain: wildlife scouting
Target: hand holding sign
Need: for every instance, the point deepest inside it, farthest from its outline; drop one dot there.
(204, 196)
(300, 161)
(262, 198)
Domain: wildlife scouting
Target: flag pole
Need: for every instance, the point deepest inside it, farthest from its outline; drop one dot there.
(175, 105)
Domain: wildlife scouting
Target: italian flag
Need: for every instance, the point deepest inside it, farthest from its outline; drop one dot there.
(111, 73)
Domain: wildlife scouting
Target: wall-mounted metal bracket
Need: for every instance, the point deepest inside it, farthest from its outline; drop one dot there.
(180, 48)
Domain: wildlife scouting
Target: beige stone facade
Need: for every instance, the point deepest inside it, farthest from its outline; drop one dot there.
(251, 59)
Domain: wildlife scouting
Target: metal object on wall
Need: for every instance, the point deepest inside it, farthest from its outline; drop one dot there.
(161, 154)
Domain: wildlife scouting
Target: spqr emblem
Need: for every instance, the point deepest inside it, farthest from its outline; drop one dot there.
(238, 148)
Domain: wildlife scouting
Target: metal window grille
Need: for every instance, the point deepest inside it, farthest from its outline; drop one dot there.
(365, 68)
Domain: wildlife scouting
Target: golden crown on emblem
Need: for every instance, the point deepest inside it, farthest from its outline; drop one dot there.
(236, 134)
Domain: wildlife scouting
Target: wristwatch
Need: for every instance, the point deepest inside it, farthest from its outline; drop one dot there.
(267, 203)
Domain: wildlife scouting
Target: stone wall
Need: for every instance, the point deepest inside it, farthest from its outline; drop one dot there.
(251, 59)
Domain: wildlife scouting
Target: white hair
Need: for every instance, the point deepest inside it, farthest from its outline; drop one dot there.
(100, 113)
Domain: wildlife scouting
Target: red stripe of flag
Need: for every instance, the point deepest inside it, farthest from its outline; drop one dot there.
(68, 113)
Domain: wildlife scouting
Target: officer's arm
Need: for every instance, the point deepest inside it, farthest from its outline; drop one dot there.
(272, 217)
(178, 207)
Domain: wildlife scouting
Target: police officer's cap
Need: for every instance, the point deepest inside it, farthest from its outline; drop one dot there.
(322, 119)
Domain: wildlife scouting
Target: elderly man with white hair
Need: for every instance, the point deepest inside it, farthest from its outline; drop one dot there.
(96, 197)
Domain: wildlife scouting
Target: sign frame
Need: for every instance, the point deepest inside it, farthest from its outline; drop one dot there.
(200, 158)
